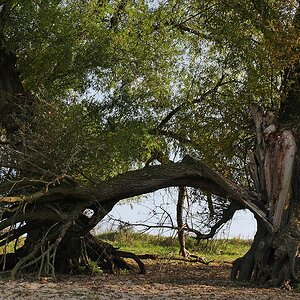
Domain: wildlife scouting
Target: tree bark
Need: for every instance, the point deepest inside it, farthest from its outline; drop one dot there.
(275, 168)
(180, 223)
(15, 103)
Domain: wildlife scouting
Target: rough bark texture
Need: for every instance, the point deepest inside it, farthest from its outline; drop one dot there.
(274, 167)
(180, 222)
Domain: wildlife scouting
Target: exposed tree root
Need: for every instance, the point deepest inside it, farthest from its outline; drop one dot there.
(63, 250)
(274, 263)
(109, 257)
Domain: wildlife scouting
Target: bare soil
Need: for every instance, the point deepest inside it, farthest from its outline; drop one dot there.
(164, 280)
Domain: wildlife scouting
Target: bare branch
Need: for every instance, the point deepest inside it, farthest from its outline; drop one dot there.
(226, 216)
(213, 90)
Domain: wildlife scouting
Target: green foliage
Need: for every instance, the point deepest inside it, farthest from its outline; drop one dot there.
(94, 268)
(107, 73)
(96, 82)
(296, 289)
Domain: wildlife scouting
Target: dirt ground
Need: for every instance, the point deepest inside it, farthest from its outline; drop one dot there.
(164, 280)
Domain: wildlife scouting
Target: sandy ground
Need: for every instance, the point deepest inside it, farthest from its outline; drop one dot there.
(164, 280)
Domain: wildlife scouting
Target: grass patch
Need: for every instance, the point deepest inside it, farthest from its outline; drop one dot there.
(10, 247)
(219, 250)
(140, 243)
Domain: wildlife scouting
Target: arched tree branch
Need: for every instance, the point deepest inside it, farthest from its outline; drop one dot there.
(189, 172)
(103, 196)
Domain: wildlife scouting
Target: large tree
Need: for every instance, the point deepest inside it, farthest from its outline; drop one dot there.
(92, 92)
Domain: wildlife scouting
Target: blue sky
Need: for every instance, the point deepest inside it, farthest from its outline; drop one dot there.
(243, 224)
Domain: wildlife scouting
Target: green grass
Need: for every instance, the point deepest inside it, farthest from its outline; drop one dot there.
(10, 247)
(218, 250)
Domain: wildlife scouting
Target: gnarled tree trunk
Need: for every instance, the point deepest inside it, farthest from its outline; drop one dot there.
(275, 168)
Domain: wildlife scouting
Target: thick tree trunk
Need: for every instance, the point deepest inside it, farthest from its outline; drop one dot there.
(273, 257)
(15, 103)
(275, 168)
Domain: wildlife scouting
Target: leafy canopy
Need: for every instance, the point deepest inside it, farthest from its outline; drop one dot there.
(117, 80)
